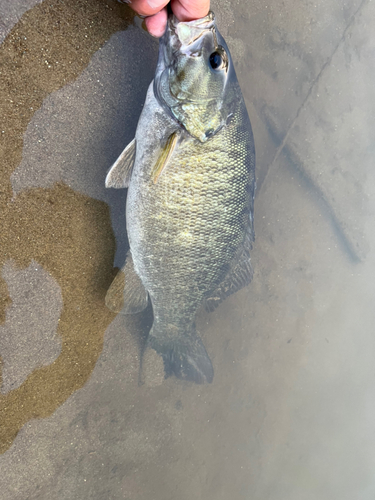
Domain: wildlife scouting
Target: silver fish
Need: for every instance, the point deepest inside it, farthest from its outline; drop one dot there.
(191, 176)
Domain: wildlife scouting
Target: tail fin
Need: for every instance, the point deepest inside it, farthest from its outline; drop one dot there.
(184, 355)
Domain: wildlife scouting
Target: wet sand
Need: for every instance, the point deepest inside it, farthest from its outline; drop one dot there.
(289, 414)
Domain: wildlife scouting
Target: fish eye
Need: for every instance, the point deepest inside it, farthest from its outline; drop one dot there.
(218, 60)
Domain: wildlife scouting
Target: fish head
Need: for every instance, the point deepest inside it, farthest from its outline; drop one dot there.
(193, 76)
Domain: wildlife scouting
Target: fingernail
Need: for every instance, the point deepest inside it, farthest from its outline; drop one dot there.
(156, 4)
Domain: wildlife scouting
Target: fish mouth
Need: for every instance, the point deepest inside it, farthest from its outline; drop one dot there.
(184, 37)
(185, 34)
(179, 38)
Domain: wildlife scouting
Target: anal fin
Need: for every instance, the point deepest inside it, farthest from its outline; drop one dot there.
(127, 295)
(120, 173)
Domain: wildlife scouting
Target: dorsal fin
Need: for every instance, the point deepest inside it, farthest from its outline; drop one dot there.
(120, 173)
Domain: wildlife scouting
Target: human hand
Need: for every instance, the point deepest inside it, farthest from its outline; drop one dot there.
(156, 12)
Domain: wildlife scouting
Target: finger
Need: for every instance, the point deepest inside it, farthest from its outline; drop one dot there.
(188, 10)
(156, 24)
(148, 7)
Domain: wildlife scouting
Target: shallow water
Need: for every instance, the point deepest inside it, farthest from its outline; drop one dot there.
(290, 412)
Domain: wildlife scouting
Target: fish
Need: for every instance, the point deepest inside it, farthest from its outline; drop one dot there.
(190, 174)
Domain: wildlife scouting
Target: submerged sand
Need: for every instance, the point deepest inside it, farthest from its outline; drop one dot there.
(289, 414)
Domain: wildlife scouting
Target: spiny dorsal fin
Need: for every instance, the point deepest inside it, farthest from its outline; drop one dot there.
(164, 157)
(127, 295)
(119, 175)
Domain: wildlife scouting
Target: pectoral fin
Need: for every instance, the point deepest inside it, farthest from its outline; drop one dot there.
(127, 295)
(119, 175)
(164, 157)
